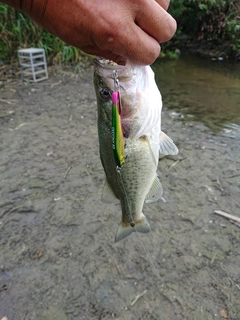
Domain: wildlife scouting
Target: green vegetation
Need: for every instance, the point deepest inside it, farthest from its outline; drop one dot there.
(213, 24)
(18, 31)
(210, 24)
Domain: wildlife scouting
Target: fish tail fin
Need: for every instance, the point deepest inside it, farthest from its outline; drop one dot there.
(124, 230)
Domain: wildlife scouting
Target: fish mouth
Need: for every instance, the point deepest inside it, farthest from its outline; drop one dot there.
(107, 64)
(105, 68)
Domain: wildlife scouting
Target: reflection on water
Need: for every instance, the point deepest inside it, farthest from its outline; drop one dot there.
(202, 90)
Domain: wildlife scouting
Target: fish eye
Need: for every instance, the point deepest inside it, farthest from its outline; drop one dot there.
(105, 93)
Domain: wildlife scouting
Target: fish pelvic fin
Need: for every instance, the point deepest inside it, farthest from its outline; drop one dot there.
(166, 145)
(125, 229)
(107, 194)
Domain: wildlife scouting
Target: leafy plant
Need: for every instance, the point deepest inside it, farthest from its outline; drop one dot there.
(18, 31)
(214, 21)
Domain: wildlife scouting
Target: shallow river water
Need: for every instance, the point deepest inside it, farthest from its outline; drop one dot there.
(202, 90)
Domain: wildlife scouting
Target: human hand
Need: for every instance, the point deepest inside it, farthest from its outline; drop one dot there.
(117, 30)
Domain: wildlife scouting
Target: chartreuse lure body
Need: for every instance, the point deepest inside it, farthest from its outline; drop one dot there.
(117, 132)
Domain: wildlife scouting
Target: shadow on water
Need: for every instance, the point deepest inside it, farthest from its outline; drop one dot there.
(202, 90)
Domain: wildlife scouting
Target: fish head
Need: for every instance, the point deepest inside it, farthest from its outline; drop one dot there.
(140, 98)
(104, 98)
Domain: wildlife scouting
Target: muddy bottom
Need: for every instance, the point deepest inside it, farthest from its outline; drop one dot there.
(58, 259)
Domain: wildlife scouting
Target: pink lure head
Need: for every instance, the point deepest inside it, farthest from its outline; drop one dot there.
(115, 97)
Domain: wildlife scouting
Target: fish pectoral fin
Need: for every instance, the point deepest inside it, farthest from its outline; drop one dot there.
(166, 145)
(155, 191)
(151, 148)
(124, 230)
(107, 194)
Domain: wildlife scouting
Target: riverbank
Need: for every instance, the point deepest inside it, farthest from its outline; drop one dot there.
(58, 257)
(183, 44)
(208, 49)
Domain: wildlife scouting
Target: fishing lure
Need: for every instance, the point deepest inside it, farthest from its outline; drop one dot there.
(117, 132)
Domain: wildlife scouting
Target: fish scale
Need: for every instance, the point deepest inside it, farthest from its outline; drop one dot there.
(137, 173)
(136, 181)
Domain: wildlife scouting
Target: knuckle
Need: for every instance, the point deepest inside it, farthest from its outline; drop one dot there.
(109, 32)
(169, 31)
(108, 35)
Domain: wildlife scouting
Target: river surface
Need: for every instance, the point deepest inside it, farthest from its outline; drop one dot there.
(202, 90)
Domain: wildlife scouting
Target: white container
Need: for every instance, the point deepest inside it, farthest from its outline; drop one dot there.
(33, 64)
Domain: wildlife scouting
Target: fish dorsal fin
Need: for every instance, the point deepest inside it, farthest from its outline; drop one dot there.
(166, 145)
(107, 194)
(155, 191)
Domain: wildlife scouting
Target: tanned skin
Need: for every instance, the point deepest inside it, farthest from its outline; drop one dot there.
(118, 30)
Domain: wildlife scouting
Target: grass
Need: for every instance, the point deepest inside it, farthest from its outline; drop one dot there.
(18, 31)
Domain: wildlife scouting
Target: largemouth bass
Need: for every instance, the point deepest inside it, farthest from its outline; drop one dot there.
(136, 181)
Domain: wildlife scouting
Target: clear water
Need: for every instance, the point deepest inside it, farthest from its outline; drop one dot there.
(202, 90)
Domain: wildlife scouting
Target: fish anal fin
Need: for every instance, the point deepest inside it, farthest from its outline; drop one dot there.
(107, 194)
(166, 145)
(155, 192)
(125, 229)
